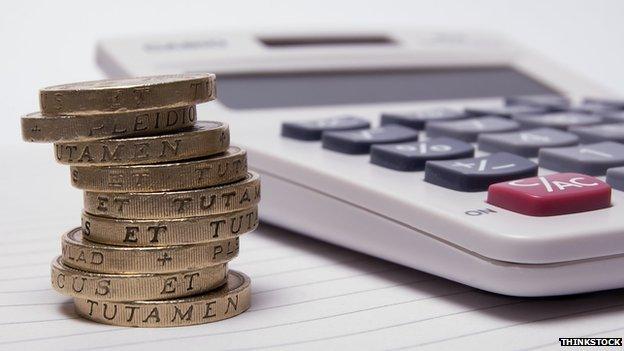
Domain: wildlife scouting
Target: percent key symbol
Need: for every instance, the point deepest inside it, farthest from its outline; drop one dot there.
(412, 156)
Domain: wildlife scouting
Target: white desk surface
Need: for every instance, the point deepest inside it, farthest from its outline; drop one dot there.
(307, 294)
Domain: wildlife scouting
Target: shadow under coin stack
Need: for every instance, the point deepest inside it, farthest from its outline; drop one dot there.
(165, 200)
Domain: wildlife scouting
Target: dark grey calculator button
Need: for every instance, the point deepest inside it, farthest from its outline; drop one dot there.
(601, 132)
(613, 103)
(360, 141)
(476, 174)
(527, 142)
(590, 159)
(559, 120)
(615, 178)
(590, 108)
(412, 156)
(469, 129)
(418, 119)
(613, 116)
(551, 102)
(312, 130)
(506, 111)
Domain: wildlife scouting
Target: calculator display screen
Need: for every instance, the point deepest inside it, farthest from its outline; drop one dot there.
(274, 90)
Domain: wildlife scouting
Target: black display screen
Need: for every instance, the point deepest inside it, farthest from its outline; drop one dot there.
(273, 90)
(327, 41)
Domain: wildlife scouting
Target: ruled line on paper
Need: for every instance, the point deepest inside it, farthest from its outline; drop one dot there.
(512, 325)
(24, 278)
(377, 329)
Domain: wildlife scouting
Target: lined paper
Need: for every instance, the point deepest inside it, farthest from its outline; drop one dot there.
(306, 295)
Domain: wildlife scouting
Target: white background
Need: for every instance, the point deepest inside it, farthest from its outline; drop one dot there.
(52, 42)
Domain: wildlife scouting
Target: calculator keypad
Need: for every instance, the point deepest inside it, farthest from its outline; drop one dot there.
(312, 130)
(591, 159)
(527, 142)
(547, 127)
(469, 129)
(559, 120)
(551, 195)
(476, 174)
(418, 119)
(360, 141)
(413, 156)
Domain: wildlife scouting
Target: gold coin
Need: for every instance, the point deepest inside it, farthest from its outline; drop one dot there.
(100, 258)
(204, 139)
(176, 204)
(129, 287)
(228, 301)
(228, 167)
(131, 94)
(37, 128)
(177, 231)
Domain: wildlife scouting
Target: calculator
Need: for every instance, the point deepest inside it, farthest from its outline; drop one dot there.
(463, 155)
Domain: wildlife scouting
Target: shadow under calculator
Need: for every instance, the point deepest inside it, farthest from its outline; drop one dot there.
(517, 310)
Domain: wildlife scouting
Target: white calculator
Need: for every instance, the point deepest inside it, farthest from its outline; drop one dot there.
(458, 154)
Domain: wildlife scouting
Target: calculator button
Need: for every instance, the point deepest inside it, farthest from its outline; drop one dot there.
(505, 111)
(551, 102)
(469, 129)
(615, 178)
(613, 103)
(526, 143)
(412, 156)
(613, 116)
(559, 120)
(551, 195)
(601, 132)
(418, 119)
(476, 174)
(591, 108)
(312, 130)
(592, 159)
(360, 141)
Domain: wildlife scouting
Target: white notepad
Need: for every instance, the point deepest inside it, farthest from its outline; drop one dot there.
(306, 294)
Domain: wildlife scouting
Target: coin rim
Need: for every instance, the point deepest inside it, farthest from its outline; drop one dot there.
(88, 196)
(162, 167)
(58, 265)
(183, 77)
(121, 222)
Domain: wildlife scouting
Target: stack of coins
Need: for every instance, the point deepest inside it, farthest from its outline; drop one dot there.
(165, 200)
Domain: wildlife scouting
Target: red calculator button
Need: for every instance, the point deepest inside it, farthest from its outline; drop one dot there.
(551, 195)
